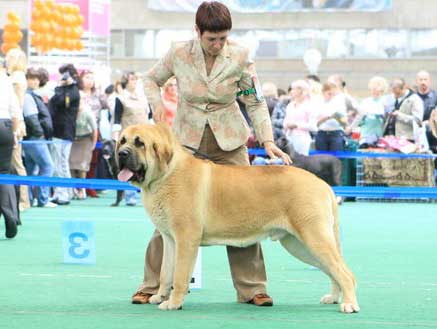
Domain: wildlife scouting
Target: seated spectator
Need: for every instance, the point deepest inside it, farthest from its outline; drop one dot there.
(331, 120)
(300, 118)
(407, 114)
(39, 127)
(370, 118)
(83, 145)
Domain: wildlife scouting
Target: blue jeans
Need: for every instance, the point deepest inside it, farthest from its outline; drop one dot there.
(130, 197)
(39, 162)
(330, 140)
(61, 158)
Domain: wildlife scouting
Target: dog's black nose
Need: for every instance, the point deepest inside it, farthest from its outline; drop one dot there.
(123, 154)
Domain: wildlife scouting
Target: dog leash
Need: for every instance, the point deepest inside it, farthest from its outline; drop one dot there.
(196, 152)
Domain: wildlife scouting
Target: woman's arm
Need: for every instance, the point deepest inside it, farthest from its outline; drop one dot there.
(154, 80)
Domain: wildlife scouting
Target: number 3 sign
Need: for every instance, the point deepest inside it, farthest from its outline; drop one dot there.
(78, 242)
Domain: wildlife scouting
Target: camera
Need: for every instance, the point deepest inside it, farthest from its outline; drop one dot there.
(66, 76)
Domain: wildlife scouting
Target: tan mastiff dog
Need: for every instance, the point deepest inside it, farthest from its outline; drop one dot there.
(196, 203)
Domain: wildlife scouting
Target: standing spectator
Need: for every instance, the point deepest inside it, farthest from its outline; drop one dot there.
(300, 119)
(130, 109)
(170, 100)
(270, 92)
(371, 112)
(44, 90)
(407, 113)
(331, 120)
(16, 63)
(84, 143)
(64, 106)
(96, 104)
(278, 115)
(39, 129)
(10, 117)
(350, 102)
(429, 98)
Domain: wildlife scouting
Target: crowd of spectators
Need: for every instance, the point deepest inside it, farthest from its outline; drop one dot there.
(324, 115)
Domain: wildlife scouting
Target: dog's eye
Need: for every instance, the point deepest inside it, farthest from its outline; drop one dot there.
(123, 141)
(138, 142)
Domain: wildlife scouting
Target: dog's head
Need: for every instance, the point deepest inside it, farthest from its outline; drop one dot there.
(108, 149)
(143, 153)
(286, 146)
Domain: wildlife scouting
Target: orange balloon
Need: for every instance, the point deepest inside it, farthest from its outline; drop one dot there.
(8, 46)
(14, 18)
(12, 37)
(78, 45)
(11, 27)
(50, 4)
(44, 26)
(75, 9)
(45, 12)
(57, 16)
(36, 14)
(35, 40)
(35, 26)
(57, 43)
(80, 20)
(38, 4)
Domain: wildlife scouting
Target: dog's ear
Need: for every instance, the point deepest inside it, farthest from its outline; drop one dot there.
(163, 153)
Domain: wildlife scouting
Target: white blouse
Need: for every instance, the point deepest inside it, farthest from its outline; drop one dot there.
(9, 106)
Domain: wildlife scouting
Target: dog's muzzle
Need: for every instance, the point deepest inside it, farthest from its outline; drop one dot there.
(129, 169)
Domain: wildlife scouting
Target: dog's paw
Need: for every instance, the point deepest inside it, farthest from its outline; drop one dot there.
(329, 299)
(156, 299)
(170, 306)
(349, 308)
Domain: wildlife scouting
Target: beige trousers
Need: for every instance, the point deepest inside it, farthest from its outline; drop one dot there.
(17, 163)
(247, 264)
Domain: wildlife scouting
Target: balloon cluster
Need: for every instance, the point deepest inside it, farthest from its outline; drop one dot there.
(56, 26)
(11, 33)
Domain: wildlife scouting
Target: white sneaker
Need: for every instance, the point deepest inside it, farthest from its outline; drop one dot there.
(50, 205)
(35, 203)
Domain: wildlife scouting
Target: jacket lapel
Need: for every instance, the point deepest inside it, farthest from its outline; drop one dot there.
(221, 62)
(198, 59)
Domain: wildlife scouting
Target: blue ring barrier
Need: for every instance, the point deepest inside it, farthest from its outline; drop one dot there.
(109, 184)
(354, 155)
(97, 184)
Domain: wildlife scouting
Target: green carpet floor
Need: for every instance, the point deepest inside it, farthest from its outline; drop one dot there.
(392, 249)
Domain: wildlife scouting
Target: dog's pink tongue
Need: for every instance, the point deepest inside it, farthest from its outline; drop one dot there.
(124, 175)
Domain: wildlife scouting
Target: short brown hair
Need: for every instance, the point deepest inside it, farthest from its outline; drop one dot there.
(213, 16)
(32, 73)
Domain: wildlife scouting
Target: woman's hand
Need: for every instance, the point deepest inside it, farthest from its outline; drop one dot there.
(291, 126)
(274, 152)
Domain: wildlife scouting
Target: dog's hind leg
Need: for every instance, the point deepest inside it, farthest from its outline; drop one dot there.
(301, 252)
(167, 271)
(323, 246)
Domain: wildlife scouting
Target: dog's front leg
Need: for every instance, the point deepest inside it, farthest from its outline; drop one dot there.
(186, 253)
(167, 270)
